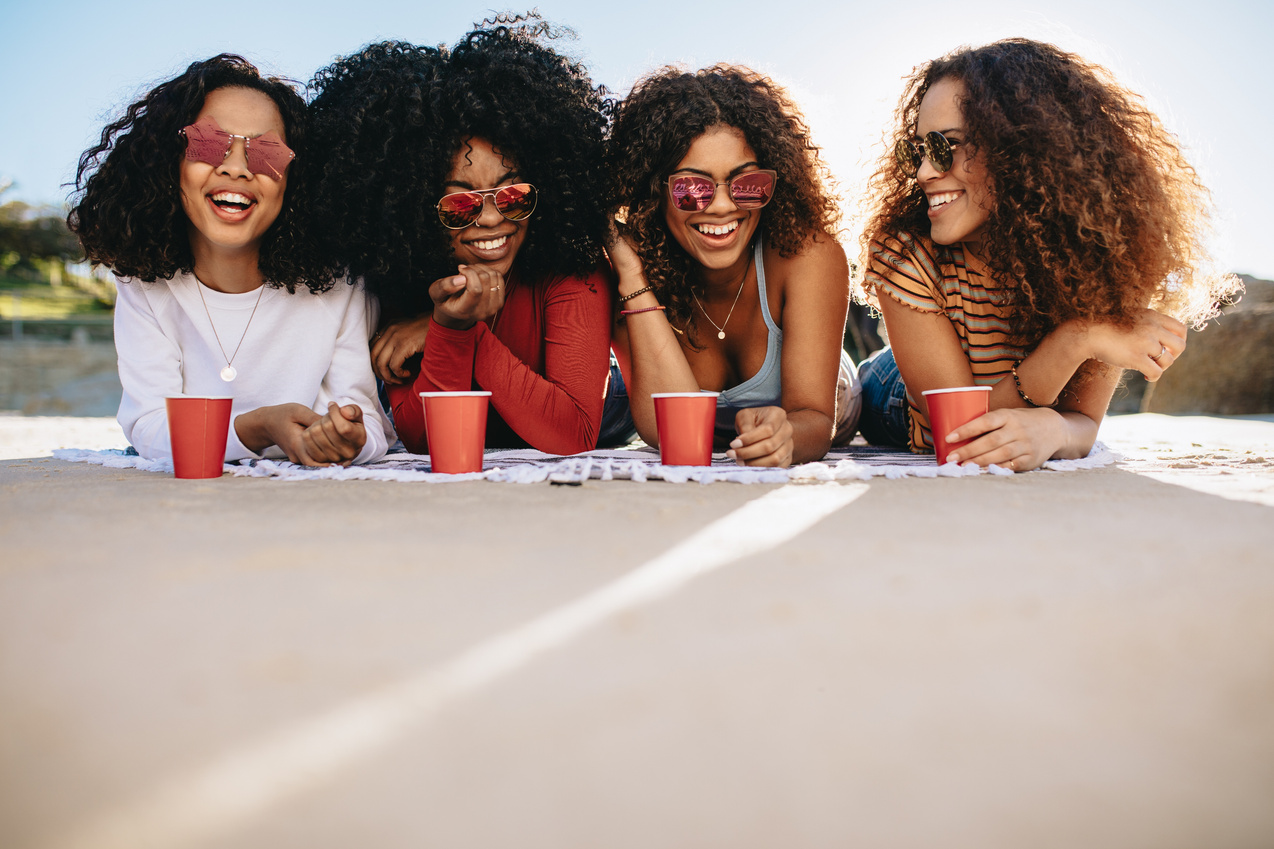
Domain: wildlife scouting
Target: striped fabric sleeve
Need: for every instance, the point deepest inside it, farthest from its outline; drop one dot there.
(899, 266)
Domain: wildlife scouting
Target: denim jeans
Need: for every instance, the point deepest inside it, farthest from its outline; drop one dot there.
(885, 419)
(617, 428)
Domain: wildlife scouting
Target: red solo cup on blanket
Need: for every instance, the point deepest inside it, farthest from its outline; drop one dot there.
(684, 421)
(950, 408)
(197, 428)
(456, 425)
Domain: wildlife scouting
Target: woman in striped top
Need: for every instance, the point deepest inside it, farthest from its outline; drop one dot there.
(1036, 230)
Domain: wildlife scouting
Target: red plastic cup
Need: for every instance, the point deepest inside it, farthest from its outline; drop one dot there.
(197, 427)
(456, 425)
(684, 421)
(950, 408)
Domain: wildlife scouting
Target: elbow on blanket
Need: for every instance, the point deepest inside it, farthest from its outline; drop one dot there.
(578, 442)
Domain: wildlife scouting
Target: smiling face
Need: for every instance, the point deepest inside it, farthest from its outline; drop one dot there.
(960, 199)
(717, 237)
(228, 206)
(492, 241)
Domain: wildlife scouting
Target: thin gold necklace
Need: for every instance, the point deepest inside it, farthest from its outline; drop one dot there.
(228, 373)
(721, 327)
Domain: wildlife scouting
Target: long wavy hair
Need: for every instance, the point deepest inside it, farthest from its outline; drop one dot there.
(655, 126)
(1097, 212)
(389, 121)
(126, 205)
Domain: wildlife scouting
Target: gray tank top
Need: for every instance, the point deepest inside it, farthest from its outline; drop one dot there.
(765, 388)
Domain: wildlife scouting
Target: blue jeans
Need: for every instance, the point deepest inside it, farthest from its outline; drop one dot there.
(617, 426)
(885, 419)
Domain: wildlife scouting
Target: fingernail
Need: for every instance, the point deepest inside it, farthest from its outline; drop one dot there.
(951, 437)
(730, 454)
(738, 443)
(953, 458)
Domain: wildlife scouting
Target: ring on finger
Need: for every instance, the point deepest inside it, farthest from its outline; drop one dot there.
(1163, 349)
(1012, 465)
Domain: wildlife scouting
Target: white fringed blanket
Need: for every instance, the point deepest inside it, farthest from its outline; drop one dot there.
(857, 462)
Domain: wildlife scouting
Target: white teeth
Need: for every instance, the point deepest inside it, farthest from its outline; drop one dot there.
(231, 197)
(943, 198)
(717, 229)
(490, 244)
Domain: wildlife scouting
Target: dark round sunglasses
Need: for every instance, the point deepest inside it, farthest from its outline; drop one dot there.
(934, 146)
(458, 210)
(750, 190)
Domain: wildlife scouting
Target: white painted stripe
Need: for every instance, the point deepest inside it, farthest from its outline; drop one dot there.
(225, 795)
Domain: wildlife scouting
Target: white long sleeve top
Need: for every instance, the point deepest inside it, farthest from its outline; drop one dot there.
(303, 348)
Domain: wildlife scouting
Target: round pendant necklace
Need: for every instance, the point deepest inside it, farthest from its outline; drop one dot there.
(721, 327)
(228, 373)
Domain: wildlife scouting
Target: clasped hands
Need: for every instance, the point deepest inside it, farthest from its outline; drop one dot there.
(308, 439)
(460, 301)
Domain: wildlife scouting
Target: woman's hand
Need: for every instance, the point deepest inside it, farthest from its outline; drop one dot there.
(475, 294)
(765, 437)
(623, 258)
(336, 437)
(1020, 439)
(283, 425)
(1151, 345)
(395, 345)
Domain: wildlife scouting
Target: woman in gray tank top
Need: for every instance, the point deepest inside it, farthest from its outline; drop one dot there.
(730, 278)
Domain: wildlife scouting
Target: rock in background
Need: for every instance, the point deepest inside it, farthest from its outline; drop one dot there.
(1228, 367)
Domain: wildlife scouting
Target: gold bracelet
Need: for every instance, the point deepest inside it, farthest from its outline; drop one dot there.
(1018, 383)
(640, 291)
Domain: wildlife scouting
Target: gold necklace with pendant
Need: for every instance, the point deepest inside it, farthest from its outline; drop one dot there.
(228, 373)
(721, 328)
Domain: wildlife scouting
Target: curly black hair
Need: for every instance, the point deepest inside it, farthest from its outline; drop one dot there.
(126, 205)
(388, 122)
(1097, 213)
(654, 128)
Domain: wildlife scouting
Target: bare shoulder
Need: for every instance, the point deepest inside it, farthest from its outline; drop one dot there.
(820, 260)
(821, 255)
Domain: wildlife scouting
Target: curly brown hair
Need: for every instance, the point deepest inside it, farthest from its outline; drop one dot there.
(1097, 212)
(126, 207)
(389, 120)
(654, 128)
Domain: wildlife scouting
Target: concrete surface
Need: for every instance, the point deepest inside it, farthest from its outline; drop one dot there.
(1045, 660)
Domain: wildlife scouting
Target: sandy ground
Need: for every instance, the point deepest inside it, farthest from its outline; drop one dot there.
(1045, 660)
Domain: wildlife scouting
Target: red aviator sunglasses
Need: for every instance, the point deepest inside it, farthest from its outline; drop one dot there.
(458, 210)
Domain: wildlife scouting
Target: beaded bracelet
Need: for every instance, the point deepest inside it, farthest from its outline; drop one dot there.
(643, 309)
(640, 291)
(1018, 383)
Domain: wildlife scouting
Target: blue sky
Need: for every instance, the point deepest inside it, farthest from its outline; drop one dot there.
(68, 67)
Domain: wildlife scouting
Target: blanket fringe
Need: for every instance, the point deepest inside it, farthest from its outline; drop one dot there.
(527, 466)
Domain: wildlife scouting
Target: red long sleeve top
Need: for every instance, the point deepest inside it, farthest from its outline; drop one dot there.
(544, 359)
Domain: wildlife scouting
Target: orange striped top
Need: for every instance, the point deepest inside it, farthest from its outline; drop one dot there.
(944, 278)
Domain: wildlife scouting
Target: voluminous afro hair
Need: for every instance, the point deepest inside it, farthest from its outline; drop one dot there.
(1097, 213)
(390, 121)
(654, 128)
(127, 202)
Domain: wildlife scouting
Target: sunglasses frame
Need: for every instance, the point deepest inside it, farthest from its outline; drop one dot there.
(495, 199)
(935, 147)
(270, 139)
(774, 182)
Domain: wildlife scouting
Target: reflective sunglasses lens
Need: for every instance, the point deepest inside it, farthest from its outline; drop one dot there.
(516, 202)
(268, 155)
(206, 142)
(691, 194)
(752, 190)
(459, 210)
(907, 155)
(939, 151)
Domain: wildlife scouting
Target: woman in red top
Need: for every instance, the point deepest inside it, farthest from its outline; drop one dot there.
(464, 187)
